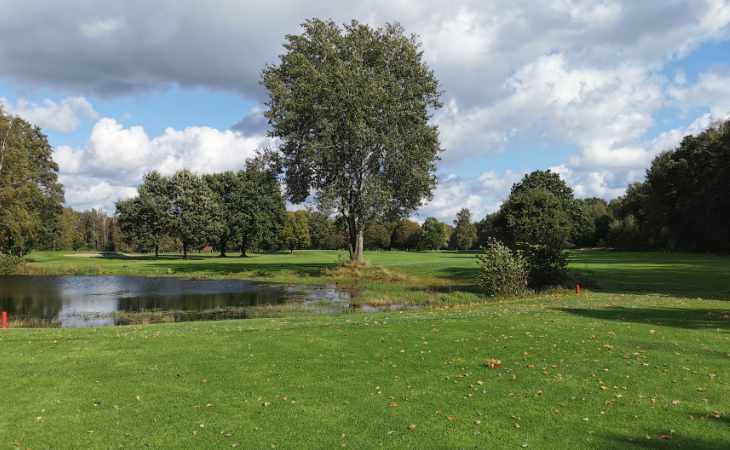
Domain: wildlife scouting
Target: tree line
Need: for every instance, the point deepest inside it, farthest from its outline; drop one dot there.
(351, 106)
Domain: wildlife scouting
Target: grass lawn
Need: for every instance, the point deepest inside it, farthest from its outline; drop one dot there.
(640, 360)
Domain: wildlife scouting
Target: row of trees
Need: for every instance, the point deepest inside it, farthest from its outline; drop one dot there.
(227, 210)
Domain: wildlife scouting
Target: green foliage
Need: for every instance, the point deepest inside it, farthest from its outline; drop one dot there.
(325, 233)
(683, 203)
(502, 272)
(434, 235)
(406, 235)
(464, 235)
(592, 231)
(295, 233)
(352, 106)
(194, 210)
(377, 237)
(31, 198)
(9, 264)
(539, 218)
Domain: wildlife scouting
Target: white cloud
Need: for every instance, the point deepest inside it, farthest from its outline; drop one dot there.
(712, 90)
(482, 195)
(116, 158)
(564, 73)
(64, 116)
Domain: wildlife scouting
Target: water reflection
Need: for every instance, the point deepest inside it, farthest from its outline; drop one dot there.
(84, 301)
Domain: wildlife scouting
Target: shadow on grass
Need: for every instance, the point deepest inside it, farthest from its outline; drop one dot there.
(682, 275)
(676, 441)
(121, 256)
(672, 317)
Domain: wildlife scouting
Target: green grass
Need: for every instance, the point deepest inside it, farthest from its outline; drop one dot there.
(637, 361)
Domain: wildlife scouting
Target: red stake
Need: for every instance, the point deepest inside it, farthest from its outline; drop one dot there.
(577, 288)
(5, 319)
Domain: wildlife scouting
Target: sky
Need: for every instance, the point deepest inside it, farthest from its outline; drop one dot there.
(591, 89)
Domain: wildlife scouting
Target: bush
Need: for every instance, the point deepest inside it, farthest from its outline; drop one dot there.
(502, 271)
(9, 264)
(548, 265)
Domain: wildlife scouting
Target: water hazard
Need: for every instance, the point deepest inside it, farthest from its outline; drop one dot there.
(92, 301)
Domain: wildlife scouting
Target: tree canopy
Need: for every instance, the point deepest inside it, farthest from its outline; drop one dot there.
(351, 105)
(31, 198)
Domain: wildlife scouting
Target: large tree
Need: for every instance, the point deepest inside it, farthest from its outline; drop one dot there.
(31, 197)
(194, 211)
(434, 234)
(145, 219)
(262, 211)
(465, 232)
(295, 233)
(351, 106)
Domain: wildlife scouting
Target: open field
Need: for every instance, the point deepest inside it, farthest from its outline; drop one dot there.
(640, 360)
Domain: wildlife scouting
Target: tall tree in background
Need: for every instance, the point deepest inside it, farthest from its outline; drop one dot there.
(465, 233)
(262, 211)
(406, 235)
(31, 197)
(351, 106)
(434, 234)
(195, 214)
(228, 187)
(145, 219)
(295, 233)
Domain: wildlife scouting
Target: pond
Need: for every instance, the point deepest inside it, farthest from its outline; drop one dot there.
(92, 301)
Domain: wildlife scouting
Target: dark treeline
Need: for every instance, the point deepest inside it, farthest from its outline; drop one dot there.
(684, 203)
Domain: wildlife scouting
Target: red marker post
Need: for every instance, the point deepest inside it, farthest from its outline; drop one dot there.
(577, 288)
(5, 319)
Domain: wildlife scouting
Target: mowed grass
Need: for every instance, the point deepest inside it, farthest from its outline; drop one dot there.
(623, 365)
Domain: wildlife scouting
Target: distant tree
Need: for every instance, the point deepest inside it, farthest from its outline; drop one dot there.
(593, 230)
(406, 235)
(261, 206)
(145, 219)
(69, 232)
(31, 197)
(228, 188)
(434, 234)
(352, 106)
(195, 213)
(490, 227)
(377, 237)
(295, 233)
(325, 233)
(465, 233)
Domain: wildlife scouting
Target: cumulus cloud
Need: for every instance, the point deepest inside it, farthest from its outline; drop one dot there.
(482, 195)
(563, 72)
(64, 116)
(116, 158)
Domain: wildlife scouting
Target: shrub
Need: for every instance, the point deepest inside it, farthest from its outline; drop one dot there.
(502, 271)
(9, 264)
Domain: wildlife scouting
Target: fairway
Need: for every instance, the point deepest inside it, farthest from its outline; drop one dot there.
(636, 361)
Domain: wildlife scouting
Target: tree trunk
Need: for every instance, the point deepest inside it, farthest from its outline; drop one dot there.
(357, 255)
(185, 250)
(223, 249)
(244, 245)
(157, 251)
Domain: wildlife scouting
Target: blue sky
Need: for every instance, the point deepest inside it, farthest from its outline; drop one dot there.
(591, 89)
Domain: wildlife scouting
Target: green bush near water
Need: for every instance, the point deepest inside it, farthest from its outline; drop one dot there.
(9, 264)
(502, 271)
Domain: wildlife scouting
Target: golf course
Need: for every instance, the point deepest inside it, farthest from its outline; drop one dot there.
(639, 359)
